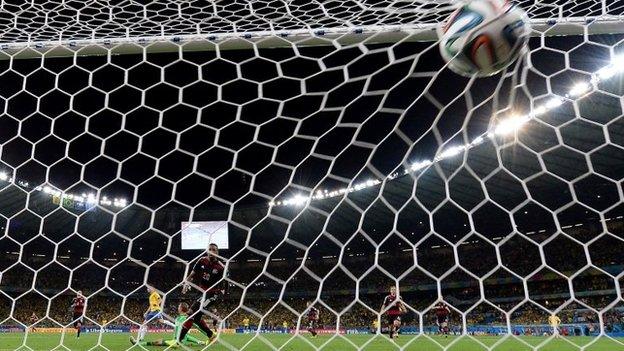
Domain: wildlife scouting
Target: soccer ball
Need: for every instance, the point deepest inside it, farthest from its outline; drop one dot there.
(483, 37)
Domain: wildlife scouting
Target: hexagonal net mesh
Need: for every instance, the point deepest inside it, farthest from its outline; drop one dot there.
(332, 155)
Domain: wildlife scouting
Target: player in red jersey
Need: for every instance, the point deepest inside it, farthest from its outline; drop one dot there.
(442, 312)
(393, 308)
(78, 307)
(215, 317)
(208, 273)
(33, 320)
(313, 318)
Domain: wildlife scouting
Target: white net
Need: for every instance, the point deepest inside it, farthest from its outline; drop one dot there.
(344, 157)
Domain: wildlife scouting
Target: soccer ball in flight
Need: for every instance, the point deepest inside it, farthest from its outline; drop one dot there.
(483, 37)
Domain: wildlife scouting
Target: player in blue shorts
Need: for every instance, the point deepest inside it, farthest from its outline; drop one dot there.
(153, 313)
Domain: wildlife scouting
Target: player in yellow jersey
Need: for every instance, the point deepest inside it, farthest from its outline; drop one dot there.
(153, 313)
(246, 323)
(554, 322)
(375, 326)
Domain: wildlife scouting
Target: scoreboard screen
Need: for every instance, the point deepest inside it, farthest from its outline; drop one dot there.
(197, 235)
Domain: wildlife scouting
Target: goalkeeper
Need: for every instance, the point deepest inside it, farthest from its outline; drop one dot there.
(188, 340)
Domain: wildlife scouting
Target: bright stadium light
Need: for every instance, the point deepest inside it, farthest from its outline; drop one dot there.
(105, 201)
(616, 67)
(607, 72)
(478, 140)
(504, 127)
(298, 200)
(120, 202)
(91, 199)
(510, 125)
(554, 103)
(372, 182)
(579, 89)
(452, 151)
(420, 165)
(538, 111)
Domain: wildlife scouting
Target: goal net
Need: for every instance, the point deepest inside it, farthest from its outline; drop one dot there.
(331, 154)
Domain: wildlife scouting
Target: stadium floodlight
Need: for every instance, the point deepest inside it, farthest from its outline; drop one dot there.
(83, 198)
(510, 125)
(297, 200)
(579, 89)
(420, 165)
(452, 151)
(553, 103)
(538, 111)
(607, 72)
(504, 127)
(105, 201)
(91, 199)
(478, 140)
(372, 182)
(616, 67)
(120, 202)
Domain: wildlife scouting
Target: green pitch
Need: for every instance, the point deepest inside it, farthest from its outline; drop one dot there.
(115, 342)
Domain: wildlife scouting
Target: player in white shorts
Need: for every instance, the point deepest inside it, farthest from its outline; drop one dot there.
(554, 322)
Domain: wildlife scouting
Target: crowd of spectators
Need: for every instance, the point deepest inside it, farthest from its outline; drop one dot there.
(117, 295)
(273, 314)
(109, 307)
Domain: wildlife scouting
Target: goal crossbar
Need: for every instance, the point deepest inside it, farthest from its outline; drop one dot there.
(275, 39)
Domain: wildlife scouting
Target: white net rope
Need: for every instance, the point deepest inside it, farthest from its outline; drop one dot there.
(53, 22)
(104, 156)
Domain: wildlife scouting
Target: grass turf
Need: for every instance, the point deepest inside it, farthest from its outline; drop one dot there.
(120, 341)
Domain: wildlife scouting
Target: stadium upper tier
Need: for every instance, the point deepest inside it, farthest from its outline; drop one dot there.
(58, 20)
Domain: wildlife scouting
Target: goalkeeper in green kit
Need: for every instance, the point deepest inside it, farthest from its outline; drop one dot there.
(188, 340)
